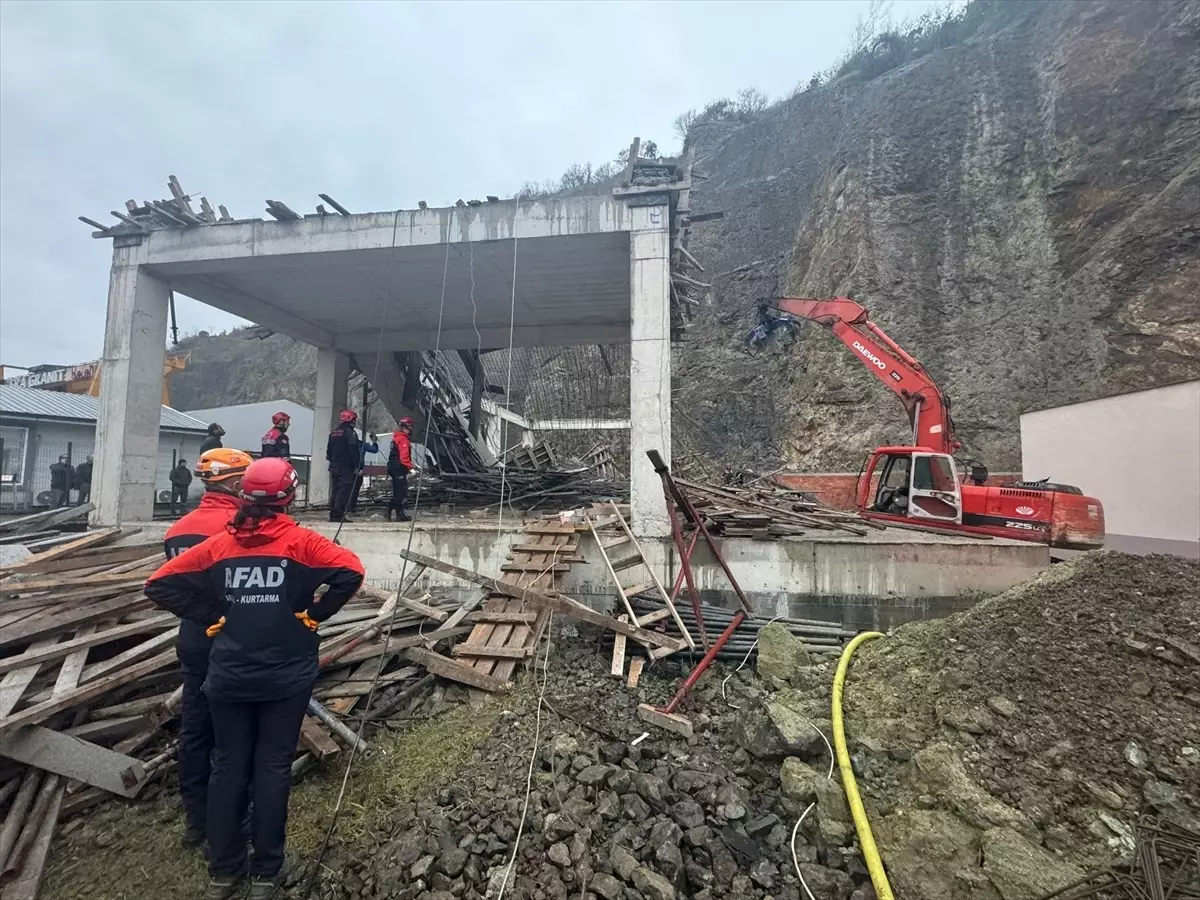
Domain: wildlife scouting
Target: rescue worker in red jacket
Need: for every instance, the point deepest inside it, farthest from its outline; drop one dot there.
(253, 586)
(220, 471)
(344, 457)
(399, 464)
(276, 441)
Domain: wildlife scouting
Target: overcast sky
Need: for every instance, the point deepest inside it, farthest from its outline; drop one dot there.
(378, 104)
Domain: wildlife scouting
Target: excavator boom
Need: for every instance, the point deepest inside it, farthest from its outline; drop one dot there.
(927, 407)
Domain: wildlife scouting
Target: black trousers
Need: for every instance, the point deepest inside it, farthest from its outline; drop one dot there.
(341, 486)
(178, 495)
(85, 492)
(195, 752)
(399, 492)
(356, 489)
(255, 744)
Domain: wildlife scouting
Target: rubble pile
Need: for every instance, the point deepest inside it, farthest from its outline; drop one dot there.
(1005, 751)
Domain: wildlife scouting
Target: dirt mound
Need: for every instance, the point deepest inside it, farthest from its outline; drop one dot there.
(1056, 711)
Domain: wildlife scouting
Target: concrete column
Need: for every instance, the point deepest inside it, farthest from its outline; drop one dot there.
(131, 378)
(649, 366)
(333, 381)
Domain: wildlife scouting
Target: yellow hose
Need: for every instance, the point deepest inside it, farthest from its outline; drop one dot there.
(865, 839)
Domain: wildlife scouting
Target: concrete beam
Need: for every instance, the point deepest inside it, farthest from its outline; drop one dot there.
(135, 340)
(467, 338)
(239, 303)
(579, 424)
(552, 217)
(333, 381)
(649, 368)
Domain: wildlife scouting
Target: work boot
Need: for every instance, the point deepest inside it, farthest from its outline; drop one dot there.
(193, 839)
(403, 517)
(222, 887)
(263, 887)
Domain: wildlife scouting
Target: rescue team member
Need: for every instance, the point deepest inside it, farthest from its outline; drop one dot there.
(213, 441)
(220, 471)
(276, 441)
(253, 585)
(342, 454)
(399, 464)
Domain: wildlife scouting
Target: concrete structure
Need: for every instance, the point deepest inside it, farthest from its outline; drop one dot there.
(37, 426)
(876, 581)
(578, 270)
(1138, 453)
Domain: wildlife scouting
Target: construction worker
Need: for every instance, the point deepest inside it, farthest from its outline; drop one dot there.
(220, 471)
(83, 480)
(181, 482)
(253, 585)
(276, 441)
(213, 441)
(61, 476)
(369, 445)
(342, 454)
(399, 464)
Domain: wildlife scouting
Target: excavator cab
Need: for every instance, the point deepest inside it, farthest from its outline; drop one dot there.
(913, 483)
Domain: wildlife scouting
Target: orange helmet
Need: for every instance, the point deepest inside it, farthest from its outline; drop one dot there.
(270, 482)
(221, 464)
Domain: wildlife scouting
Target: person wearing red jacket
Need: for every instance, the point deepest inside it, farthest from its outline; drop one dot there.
(399, 464)
(220, 471)
(276, 441)
(253, 587)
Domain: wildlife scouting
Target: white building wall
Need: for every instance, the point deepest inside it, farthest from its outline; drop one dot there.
(1138, 454)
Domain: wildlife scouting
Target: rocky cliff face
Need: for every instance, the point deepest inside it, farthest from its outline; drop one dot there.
(1020, 211)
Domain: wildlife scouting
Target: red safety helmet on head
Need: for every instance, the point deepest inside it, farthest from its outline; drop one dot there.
(270, 482)
(406, 420)
(280, 418)
(348, 415)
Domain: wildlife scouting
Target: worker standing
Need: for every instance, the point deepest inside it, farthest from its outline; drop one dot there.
(276, 441)
(220, 471)
(399, 464)
(181, 481)
(253, 585)
(61, 476)
(213, 441)
(369, 445)
(83, 480)
(342, 454)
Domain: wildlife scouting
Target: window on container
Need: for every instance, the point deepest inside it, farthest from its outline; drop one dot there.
(12, 463)
(933, 473)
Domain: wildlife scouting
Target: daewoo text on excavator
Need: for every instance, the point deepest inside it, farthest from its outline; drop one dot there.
(919, 485)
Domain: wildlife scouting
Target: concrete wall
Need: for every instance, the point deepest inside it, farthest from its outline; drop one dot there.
(1138, 454)
(873, 583)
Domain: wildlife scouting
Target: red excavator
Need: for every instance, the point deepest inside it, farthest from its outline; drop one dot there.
(919, 485)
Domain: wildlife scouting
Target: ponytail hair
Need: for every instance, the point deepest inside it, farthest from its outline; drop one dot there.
(252, 512)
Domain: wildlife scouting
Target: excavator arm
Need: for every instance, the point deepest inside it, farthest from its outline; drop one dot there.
(928, 409)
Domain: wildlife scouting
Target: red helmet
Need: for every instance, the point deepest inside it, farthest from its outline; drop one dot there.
(270, 482)
(280, 418)
(406, 420)
(348, 415)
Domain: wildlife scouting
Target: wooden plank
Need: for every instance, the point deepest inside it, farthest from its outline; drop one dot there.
(535, 567)
(14, 683)
(628, 562)
(78, 696)
(38, 627)
(502, 618)
(567, 548)
(95, 539)
(635, 671)
(662, 592)
(83, 641)
(133, 654)
(423, 609)
(618, 656)
(612, 573)
(49, 584)
(494, 652)
(657, 616)
(559, 603)
(75, 758)
(455, 671)
(314, 739)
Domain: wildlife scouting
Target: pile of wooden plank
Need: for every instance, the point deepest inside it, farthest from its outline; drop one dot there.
(25, 535)
(767, 512)
(90, 684)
